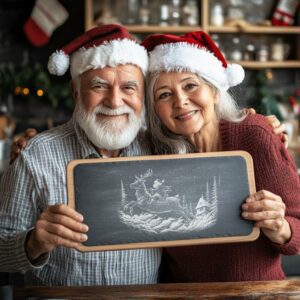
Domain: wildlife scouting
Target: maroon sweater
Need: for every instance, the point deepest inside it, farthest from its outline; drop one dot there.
(259, 260)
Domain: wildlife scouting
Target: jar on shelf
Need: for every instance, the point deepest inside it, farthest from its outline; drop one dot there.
(235, 10)
(144, 13)
(236, 52)
(164, 15)
(175, 12)
(279, 50)
(190, 13)
(249, 52)
(131, 15)
(255, 11)
(262, 53)
(217, 15)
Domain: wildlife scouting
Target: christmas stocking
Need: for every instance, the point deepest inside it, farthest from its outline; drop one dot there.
(284, 12)
(46, 16)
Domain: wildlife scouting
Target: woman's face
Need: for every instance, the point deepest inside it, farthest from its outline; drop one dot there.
(184, 103)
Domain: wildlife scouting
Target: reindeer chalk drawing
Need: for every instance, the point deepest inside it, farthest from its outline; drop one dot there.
(155, 210)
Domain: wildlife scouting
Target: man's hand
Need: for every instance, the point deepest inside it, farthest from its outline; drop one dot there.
(267, 210)
(58, 225)
(278, 128)
(21, 143)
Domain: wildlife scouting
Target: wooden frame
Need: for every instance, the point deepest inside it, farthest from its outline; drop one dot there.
(162, 201)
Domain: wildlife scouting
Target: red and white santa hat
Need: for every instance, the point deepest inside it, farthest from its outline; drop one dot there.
(193, 52)
(107, 45)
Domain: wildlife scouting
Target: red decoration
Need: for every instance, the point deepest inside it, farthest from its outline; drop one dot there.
(284, 12)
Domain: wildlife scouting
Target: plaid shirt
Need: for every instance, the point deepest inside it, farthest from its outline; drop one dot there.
(38, 179)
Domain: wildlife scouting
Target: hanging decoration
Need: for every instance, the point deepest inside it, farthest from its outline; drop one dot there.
(46, 16)
(285, 12)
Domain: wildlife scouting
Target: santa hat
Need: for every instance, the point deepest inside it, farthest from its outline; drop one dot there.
(107, 45)
(193, 52)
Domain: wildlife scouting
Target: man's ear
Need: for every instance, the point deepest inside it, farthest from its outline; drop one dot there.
(74, 90)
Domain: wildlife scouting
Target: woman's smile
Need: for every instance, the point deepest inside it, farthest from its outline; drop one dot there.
(186, 116)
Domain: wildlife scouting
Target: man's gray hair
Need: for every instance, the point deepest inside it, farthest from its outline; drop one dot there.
(166, 142)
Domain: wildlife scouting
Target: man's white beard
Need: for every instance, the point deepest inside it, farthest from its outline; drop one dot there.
(108, 134)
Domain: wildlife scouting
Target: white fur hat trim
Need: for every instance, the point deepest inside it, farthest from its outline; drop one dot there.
(187, 57)
(111, 53)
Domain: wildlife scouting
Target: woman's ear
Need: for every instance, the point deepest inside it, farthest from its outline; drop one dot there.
(217, 97)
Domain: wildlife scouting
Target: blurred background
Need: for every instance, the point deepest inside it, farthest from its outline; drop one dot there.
(261, 35)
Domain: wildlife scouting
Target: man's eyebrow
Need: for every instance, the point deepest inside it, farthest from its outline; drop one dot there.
(98, 79)
(131, 82)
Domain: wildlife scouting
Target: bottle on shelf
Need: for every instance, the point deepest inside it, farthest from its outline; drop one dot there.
(235, 10)
(217, 15)
(190, 13)
(164, 15)
(132, 12)
(279, 50)
(144, 13)
(262, 53)
(236, 53)
(249, 52)
(175, 12)
(255, 13)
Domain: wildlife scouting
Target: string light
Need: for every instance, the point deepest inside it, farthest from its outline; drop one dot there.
(26, 91)
(40, 92)
(269, 74)
(18, 90)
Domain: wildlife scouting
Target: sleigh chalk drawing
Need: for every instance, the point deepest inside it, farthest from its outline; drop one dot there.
(162, 201)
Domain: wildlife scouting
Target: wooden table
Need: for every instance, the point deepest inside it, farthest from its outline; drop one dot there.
(287, 289)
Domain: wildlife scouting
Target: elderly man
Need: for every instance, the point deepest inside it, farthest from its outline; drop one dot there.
(39, 233)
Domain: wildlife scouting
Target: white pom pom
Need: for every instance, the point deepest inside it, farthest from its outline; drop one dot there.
(58, 63)
(235, 74)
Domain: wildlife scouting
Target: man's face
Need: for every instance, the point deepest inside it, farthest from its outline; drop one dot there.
(109, 105)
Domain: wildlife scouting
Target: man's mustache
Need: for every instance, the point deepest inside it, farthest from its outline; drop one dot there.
(104, 110)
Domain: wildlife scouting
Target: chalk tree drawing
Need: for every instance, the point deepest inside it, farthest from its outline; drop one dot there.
(156, 210)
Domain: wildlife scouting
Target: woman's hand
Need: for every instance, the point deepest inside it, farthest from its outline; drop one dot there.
(21, 143)
(267, 210)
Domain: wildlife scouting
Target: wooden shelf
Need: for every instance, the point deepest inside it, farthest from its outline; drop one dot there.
(255, 29)
(158, 29)
(269, 64)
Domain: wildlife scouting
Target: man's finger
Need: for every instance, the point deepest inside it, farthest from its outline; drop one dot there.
(65, 210)
(30, 132)
(64, 221)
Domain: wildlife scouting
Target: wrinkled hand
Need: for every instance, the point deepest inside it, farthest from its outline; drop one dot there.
(278, 128)
(267, 210)
(58, 225)
(21, 143)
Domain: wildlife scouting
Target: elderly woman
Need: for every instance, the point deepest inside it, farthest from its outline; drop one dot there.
(190, 110)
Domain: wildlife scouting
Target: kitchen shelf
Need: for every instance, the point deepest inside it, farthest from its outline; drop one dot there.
(255, 29)
(269, 64)
(293, 31)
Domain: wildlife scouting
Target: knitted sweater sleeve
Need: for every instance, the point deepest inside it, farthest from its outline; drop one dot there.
(275, 171)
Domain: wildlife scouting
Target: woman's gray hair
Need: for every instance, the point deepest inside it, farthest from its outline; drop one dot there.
(166, 142)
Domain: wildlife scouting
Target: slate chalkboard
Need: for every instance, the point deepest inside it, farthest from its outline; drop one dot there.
(160, 201)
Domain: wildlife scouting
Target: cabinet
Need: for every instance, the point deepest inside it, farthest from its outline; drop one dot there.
(292, 33)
